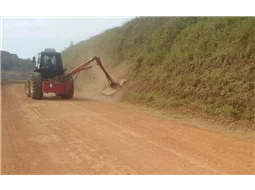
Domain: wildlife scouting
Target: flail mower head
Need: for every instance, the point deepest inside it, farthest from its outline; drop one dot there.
(113, 88)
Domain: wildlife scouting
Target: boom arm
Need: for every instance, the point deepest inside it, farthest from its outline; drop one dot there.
(84, 65)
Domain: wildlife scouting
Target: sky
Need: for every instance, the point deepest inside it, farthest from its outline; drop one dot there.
(28, 36)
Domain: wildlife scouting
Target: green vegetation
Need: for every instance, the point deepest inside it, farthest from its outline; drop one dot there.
(14, 69)
(201, 63)
(11, 62)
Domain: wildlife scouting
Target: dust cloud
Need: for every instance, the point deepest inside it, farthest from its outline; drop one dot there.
(90, 83)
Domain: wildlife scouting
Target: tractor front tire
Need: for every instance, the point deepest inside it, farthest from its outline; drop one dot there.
(36, 86)
(27, 87)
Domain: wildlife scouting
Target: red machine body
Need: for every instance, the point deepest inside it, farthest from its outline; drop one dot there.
(56, 87)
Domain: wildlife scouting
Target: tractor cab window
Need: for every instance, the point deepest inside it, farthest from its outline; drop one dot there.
(49, 61)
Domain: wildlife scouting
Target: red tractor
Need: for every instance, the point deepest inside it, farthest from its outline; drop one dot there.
(49, 76)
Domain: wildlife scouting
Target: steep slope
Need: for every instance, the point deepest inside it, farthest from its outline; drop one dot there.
(201, 63)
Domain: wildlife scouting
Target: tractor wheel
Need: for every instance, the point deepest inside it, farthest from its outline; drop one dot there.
(36, 86)
(69, 95)
(27, 87)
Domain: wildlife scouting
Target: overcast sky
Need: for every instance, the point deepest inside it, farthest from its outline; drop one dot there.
(28, 36)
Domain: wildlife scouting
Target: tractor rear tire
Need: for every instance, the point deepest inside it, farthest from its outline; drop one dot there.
(36, 86)
(70, 94)
(27, 87)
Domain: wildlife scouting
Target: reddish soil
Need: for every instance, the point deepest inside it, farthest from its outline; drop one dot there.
(81, 136)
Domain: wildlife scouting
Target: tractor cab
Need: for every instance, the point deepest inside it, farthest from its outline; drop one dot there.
(49, 64)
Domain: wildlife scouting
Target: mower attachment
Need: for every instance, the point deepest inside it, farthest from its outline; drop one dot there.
(113, 89)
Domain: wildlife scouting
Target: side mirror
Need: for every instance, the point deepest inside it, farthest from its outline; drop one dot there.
(33, 60)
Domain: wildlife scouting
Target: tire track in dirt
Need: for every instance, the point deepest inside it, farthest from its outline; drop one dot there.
(79, 136)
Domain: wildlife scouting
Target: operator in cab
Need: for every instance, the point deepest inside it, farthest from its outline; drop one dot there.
(49, 64)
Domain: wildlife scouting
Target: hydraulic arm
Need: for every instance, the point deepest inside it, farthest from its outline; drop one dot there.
(84, 66)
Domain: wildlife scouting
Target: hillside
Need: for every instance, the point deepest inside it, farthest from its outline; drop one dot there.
(14, 68)
(204, 64)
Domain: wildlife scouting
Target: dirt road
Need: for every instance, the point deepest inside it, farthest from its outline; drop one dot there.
(80, 136)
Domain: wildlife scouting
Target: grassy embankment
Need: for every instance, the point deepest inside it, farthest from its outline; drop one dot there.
(204, 64)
